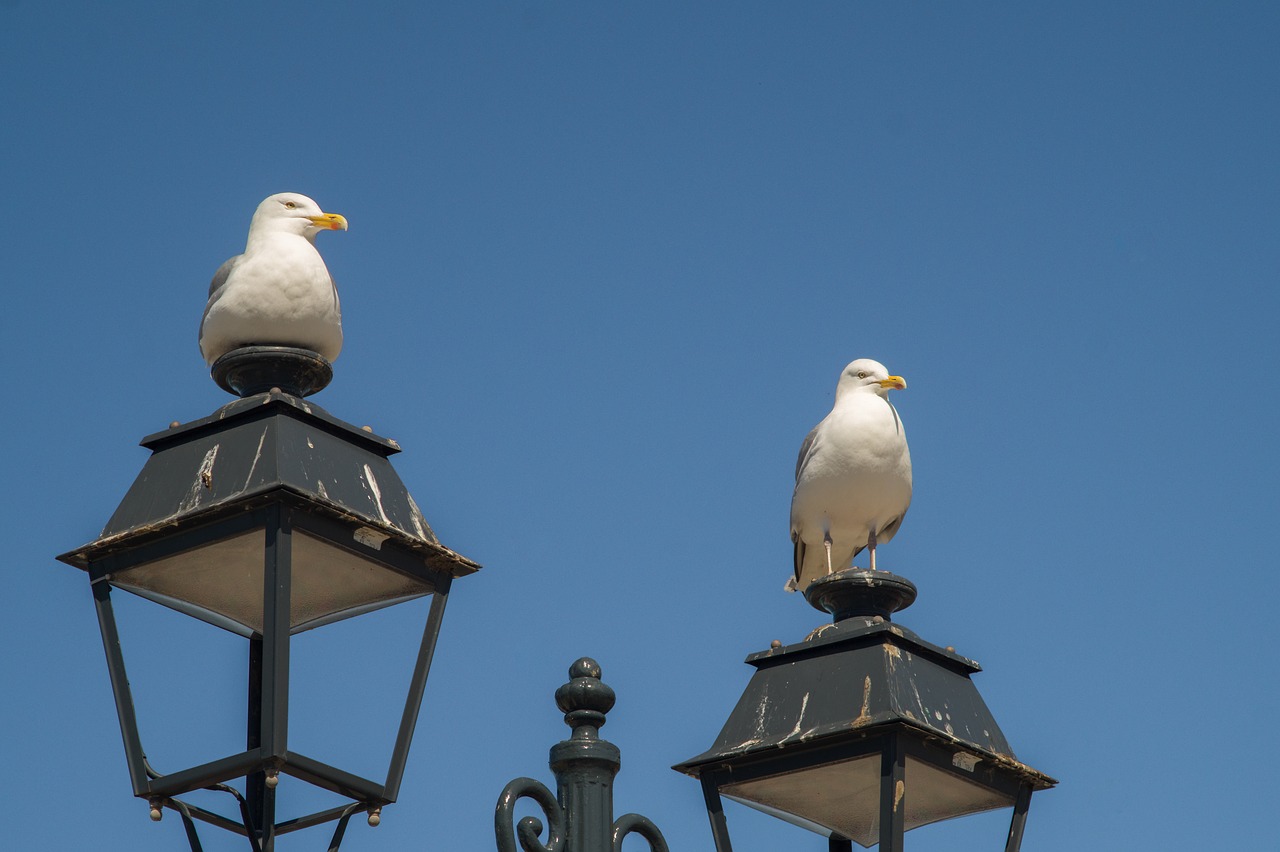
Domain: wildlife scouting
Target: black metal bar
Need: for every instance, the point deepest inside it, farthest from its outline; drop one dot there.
(892, 796)
(333, 779)
(836, 843)
(277, 582)
(123, 695)
(1019, 822)
(715, 812)
(317, 818)
(208, 816)
(199, 777)
(255, 783)
(413, 703)
(271, 727)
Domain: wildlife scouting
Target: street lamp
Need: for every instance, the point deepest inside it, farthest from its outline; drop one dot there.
(268, 518)
(271, 517)
(863, 730)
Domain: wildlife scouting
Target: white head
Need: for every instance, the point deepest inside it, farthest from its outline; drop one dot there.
(293, 213)
(867, 376)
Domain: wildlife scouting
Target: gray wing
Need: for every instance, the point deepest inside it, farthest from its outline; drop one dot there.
(215, 287)
(220, 277)
(797, 558)
(805, 449)
(891, 528)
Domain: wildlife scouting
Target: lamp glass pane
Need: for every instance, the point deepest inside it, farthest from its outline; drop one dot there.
(844, 797)
(331, 583)
(221, 583)
(838, 797)
(935, 794)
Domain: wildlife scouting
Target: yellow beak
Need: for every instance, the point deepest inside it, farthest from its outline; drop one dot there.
(329, 221)
(894, 382)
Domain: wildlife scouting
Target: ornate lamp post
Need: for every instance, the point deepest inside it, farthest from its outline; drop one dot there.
(863, 730)
(268, 518)
(580, 815)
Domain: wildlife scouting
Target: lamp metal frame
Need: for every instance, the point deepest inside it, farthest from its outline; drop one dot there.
(266, 750)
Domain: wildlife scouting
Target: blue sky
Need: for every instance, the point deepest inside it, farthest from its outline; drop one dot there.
(606, 261)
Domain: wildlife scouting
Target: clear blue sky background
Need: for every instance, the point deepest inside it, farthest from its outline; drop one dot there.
(605, 263)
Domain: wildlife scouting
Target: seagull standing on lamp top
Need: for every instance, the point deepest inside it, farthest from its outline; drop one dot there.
(279, 292)
(853, 476)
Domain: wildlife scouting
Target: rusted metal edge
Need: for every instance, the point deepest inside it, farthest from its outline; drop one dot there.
(866, 727)
(79, 557)
(835, 635)
(265, 405)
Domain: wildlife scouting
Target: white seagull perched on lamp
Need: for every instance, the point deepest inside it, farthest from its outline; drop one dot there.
(279, 292)
(853, 476)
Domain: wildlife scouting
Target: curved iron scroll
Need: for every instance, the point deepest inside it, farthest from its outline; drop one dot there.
(187, 823)
(529, 829)
(643, 826)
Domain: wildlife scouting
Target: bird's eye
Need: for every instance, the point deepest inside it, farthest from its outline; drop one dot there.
(290, 204)
(862, 374)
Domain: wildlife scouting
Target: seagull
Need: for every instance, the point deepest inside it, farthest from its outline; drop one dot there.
(279, 292)
(853, 476)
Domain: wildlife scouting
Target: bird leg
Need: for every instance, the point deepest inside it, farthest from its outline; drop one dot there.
(826, 542)
(871, 548)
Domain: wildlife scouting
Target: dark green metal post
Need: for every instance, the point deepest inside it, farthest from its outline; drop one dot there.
(581, 815)
(584, 764)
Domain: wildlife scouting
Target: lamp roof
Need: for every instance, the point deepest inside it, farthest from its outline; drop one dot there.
(855, 678)
(270, 446)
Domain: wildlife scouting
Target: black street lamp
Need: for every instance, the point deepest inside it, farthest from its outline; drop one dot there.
(863, 730)
(268, 518)
(271, 517)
